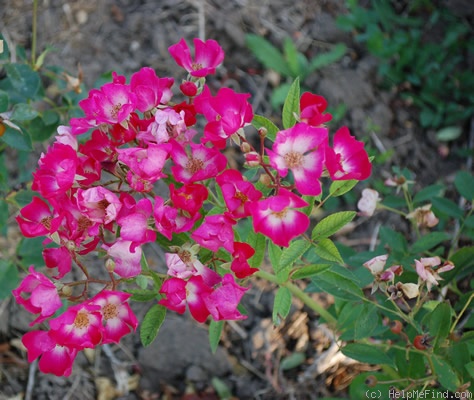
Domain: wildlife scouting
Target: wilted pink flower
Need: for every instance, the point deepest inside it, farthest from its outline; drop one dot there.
(78, 327)
(55, 359)
(118, 318)
(215, 232)
(425, 270)
(301, 149)
(36, 219)
(208, 55)
(376, 267)
(201, 163)
(167, 124)
(226, 113)
(312, 107)
(377, 264)
(424, 217)
(347, 159)
(368, 202)
(278, 219)
(38, 295)
(223, 301)
(150, 90)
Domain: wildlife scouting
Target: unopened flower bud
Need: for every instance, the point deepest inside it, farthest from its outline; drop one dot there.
(265, 179)
(66, 291)
(245, 147)
(262, 132)
(252, 159)
(188, 88)
(110, 265)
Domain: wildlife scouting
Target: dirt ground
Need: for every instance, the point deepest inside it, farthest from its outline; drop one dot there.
(124, 35)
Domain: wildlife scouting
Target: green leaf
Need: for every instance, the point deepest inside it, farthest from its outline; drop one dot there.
(39, 131)
(267, 54)
(30, 252)
(292, 105)
(446, 206)
(331, 224)
(215, 331)
(293, 253)
(429, 241)
(142, 295)
(449, 133)
(19, 141)
(309, 271)
(4, 215)
(292, 361)
(274, 254)
(23, 112)
(24, 80)
(259, 121)
(338, 285)
(338, 188)
(141, 281)
(327, 250)
(281, 305)
(427, 193)
(439, 323)
(3, 101)
(330, 57)
(445, 373)
(151, 324)
(291, 55)
(470, 368)
(366, 353)
(9, 278)
(464, 182)
(258, 242)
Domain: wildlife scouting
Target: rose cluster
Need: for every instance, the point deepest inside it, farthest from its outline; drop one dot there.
(97, 194)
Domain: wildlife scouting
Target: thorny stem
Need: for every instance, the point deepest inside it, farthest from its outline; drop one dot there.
(298, 293)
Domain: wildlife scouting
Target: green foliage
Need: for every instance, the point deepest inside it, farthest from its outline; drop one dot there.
(422, 51)
(290, 63)
(151, 324)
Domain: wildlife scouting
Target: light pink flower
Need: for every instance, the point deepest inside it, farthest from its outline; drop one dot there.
(368, 202)
(117, 316)
(278, 219)
(150, 90)
(208, 55)
(55, 359)
(347, 159)
(126, 256)
(38, 295)
(226, 113)
(301, 149)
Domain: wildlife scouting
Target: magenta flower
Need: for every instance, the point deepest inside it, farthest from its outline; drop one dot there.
(78, 327)
(215, 232)
(56, 172)
(150, 90)
(189, 198)
(192, 292)
(226, 113)
(239, 194)
(111, 104)
(170, 220)
(278, 219)
(117, 316)
(208, 55)
(312, 107)
(202, 163)
(223, 301)
(133, 220)
(301, 149)
(55, 359)
(36, 219)
(38, 295)
(348, 158)
(126, 256)
(240, 265)
(60, 258)
(99, 204)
